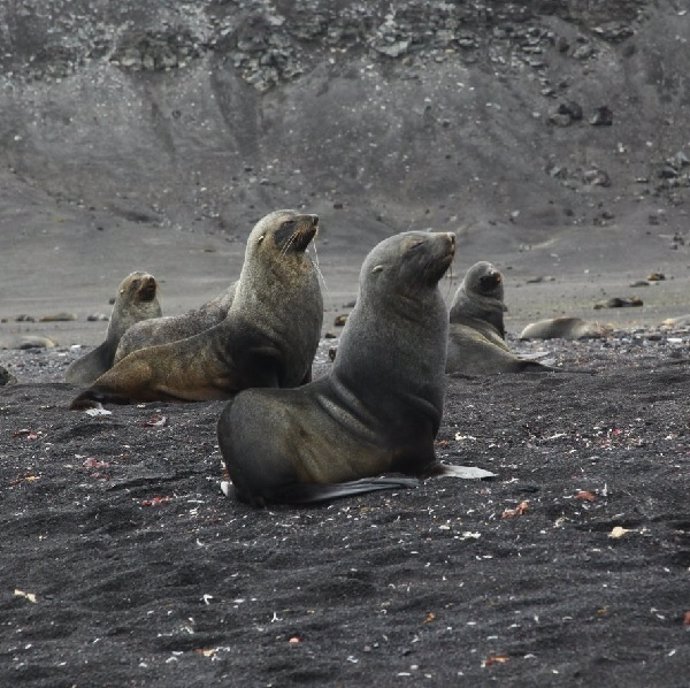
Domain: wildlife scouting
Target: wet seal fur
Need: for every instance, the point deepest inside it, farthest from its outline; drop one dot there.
(476, 335)
(268, 338)
(379, 409)
(565, 328)
(136, 301)
(170, 328)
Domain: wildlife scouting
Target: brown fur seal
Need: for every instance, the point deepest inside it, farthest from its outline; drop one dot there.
(379, 409)
(476, 335)
(173, 327)
(268, 338)
(565, 328)
(136, 300)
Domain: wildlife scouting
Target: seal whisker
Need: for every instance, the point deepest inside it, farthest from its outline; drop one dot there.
(289, 242)
(318, 267)
(450, 278)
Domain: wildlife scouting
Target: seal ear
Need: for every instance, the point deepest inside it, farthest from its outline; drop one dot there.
(377, 268)
(261, 238)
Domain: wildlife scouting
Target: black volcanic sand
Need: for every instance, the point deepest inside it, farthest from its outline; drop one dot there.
(144, 575)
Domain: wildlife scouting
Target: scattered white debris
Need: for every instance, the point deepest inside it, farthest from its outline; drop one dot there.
(100, 411)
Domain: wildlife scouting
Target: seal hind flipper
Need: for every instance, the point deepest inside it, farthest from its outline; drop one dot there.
(309, 493)
(95, 398)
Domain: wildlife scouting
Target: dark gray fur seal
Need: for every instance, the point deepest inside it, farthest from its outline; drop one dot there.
(136, 301)
(379, 409)
(565, 328)
(170, 328)
(476, 335)
(268, 338)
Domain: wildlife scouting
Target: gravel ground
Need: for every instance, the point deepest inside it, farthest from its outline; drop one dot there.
(124, 566)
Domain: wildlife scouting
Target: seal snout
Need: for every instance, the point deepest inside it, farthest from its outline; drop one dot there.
(307, 226)
(490, 281)
(449, 246)
(147, 290)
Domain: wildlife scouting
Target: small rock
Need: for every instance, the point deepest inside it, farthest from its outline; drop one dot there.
(340, 320)
(668, 172)
(58, 317)
(639, 283)
(571, 108)
(583, 52)
(6, 378)
(603, 116)
(559, 119)
(332, 353)
(656, 277)
(97, 317)
(679, 160)
(596, 177)
(25, 318)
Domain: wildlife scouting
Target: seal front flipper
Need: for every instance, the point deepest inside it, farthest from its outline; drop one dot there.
(313, 493)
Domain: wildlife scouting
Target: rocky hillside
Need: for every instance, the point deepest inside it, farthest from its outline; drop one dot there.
(504, 121)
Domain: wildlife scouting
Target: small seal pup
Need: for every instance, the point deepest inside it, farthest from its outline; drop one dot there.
(170, 328)
(268, 338)
(379, 409)
(565, 328)
(136, 301)
(476, 335)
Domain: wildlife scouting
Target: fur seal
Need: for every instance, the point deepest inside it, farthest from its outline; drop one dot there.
(170, 328)
(476, 334)
(268, 338)
(136, 300)
(379, 409)
(681, 321)
(565, 328)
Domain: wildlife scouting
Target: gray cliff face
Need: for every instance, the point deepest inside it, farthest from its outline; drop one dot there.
(487, 118)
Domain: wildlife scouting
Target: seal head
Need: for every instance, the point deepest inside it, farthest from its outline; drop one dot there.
(479, 298)
(136, 301)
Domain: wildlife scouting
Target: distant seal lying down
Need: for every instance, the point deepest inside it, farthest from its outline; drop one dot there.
(268, 338)
(136, 301)
(379, 409)
(565, 328)
(476, 335)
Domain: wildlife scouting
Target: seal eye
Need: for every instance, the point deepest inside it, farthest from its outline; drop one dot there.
(287, 225)
(415, 245)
